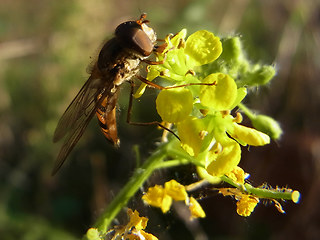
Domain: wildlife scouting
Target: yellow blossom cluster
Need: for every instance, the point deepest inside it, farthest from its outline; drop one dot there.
(199, 105)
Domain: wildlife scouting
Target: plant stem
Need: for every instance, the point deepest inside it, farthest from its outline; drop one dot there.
(127, 192)
(246, 110)
(285, 194)
(173, 163)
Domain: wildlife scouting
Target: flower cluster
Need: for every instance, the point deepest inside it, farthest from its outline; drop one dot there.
(200, 106)
(161, 197)
(132, 231)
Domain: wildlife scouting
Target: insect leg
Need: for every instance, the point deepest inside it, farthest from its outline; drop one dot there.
(156, 86)
(144, 123)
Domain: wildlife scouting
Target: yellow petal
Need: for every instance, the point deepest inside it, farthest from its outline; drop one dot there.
(148, 236)
(246, 205)
(190, 135)
(196, 209)
(154, 196)
(166, 203)
(237, 175)
(226, 160)
(174, 105)
(250, 136)
(220, 96)
(203, 47)
(136, 221)
(176, 190)
(157, 197)
(202, 172)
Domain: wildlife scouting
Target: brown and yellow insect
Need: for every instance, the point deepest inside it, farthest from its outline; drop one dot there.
(118, 61)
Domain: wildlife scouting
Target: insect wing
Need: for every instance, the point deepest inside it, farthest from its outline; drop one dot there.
(76, 118)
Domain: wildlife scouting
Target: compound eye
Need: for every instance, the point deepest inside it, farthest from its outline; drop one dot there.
(142, 41)
(133, 37)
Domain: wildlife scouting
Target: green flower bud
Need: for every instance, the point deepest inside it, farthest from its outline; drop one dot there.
(232, 49)
(260, 76)
(267, 125)
(93, 234)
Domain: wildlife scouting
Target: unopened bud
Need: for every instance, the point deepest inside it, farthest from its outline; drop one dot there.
(267, 125)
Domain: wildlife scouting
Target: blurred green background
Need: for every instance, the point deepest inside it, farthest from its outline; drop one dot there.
(45, 47)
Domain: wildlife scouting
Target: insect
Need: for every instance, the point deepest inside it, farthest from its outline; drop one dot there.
(118, 61)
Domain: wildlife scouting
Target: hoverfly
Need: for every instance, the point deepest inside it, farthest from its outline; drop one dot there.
(118, 61)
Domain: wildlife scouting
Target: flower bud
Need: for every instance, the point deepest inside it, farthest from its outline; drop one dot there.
(260, 76)
(267, 125)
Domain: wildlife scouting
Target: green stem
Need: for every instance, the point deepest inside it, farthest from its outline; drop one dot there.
(173, 163)
(246, 110)
(230, 181)
(269, 193)
(286, 194)
(127, 192)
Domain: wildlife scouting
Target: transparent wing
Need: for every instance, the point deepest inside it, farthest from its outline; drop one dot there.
(77, 117)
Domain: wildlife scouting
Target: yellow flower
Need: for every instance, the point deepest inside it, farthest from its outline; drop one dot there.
(136, 221)
(173, 190)
(237, 175)
(133, 230)
(203, 47)
(196, 209)
(246, 205)
(176, 190)
(157, 197)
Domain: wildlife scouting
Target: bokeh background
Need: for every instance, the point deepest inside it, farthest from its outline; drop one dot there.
(45, 47)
